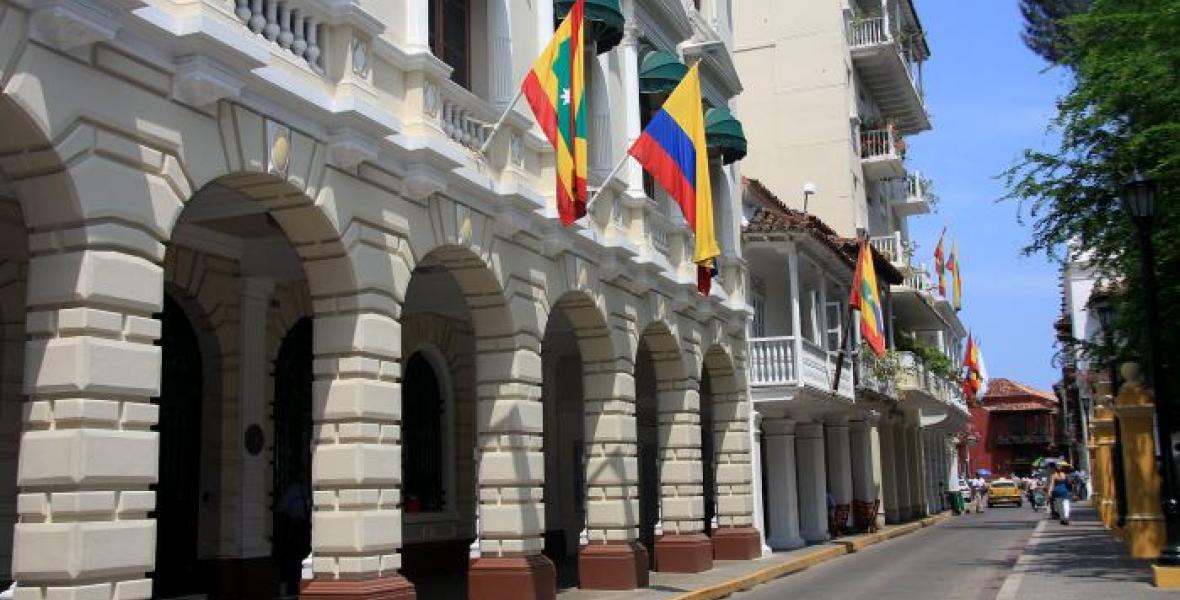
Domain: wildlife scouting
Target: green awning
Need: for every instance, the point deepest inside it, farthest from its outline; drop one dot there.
(724, 133)
(604, 21)
(660, 71)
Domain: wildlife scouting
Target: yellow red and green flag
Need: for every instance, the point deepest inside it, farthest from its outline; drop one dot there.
(866, 299)
(556, 91)
(956, 273)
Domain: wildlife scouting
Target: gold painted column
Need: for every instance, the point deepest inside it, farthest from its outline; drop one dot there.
(1145, 522)
(1102, 438)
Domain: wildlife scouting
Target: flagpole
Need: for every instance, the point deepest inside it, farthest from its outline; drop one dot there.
(483, 149)
(615, 171)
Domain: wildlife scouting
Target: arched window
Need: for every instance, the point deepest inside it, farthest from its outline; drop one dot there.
(423, 408)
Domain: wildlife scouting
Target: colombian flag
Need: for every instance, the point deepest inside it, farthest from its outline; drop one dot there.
(865, 298)
(953, 266)
(672, 148)
(556, 91)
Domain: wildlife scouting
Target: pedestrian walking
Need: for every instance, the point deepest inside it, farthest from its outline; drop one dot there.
(1058, 487)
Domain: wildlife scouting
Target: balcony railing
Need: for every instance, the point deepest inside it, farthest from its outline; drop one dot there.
(773, 361)
(868, 32)
(461, 115)
(288, 23)
(903, 189)
(868, 378)
(879, 143)
(916, 376)
(891, 246)
(918, 278)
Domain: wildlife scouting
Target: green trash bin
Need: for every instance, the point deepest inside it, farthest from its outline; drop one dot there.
(957, 502)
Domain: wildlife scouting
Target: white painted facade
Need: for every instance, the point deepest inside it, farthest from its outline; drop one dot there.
(260, 163)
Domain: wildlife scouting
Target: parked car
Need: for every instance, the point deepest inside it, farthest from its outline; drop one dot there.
(964, 490)
(1004, 491)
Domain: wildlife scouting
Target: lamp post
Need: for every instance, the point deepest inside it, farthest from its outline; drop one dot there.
(1139, 201)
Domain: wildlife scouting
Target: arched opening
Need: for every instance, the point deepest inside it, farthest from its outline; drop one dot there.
(21, 138)
(647, 429)
(565, 444)
(178, 493)
(708, 451)
(291, 485)
(241, 459)
(439, 522)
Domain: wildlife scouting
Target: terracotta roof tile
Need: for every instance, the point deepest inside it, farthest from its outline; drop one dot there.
(1000, 387)
(776, 217)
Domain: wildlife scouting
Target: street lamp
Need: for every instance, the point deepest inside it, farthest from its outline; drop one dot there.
(1139, 202)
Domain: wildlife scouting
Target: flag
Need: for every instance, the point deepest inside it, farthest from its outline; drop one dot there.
(556, 91)
(953, 265)
(865, 298)
(705, 275)
(972, 382)
(940, 265)
(672, 149)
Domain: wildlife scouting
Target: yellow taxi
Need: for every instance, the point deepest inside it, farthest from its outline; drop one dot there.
(1004, 491)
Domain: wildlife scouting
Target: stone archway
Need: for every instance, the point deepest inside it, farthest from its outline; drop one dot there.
(726, 456)
(669, 432)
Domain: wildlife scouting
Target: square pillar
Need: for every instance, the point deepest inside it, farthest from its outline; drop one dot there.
(782, 489)
(888, 452)
(904, 489)
(813, 488)
(684, 547)
(840, 467)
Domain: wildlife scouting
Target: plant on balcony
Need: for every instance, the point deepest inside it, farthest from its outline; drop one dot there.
(883, 369)
(936, 362)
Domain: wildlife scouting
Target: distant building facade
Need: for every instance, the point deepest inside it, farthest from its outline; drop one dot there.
(1015, 425)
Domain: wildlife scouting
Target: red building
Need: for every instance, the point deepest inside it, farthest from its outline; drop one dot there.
(1015, 425)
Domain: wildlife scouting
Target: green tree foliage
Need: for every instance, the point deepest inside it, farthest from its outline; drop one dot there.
(1121, 115)
(1044, 32)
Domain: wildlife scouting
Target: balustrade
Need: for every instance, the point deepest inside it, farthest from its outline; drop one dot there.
(460, 115)
(772, 361)
(889, 245)
(878, 143)
(867, 32)
(287, 23)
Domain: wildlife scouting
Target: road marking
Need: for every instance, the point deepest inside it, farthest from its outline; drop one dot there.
(1012, 582)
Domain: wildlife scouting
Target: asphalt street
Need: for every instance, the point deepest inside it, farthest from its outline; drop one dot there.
(984, 556)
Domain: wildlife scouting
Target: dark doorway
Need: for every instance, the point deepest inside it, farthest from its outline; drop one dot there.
(708, 458)
(178, 489)
(422, 450)
(291, 512)
(648, 432)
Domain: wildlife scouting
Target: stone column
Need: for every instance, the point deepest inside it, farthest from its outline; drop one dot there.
(684, 547)
(501, 76)
(417, 25)
(840, 468)
(613, 559)
(902, 470)
(916, 463)
(356, 451)
(889, 473)
(878, 485)
(735, 537)
(813, 490)
(87, 454)
(253, 375)
(758, 470)
(864, 486)
(781, 484)
(510, 438)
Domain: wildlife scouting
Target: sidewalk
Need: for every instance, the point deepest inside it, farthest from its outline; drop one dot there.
(1078, 562)
(728, 577)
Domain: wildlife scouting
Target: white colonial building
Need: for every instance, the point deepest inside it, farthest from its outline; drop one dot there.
(264, 298)
(835, 87)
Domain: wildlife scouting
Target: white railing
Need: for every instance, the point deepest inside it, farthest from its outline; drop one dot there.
(915, 375)
(868, 379)
(919, 279)
(889, 245)
(287, 23)
(656, 227)
(903, 189)
(461, 115)
(772, 361)
(813, 366)
(868, 32)
(878, 143)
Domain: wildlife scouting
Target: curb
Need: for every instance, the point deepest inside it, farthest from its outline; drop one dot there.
(820, 555)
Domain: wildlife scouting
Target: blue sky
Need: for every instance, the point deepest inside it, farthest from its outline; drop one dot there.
(989, 98)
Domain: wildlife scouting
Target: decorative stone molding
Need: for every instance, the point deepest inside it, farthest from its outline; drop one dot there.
(349, 148)
(69, 24)
(201, 81)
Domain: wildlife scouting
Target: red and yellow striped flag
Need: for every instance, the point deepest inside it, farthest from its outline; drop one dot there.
(867, 300)
(556, 91)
